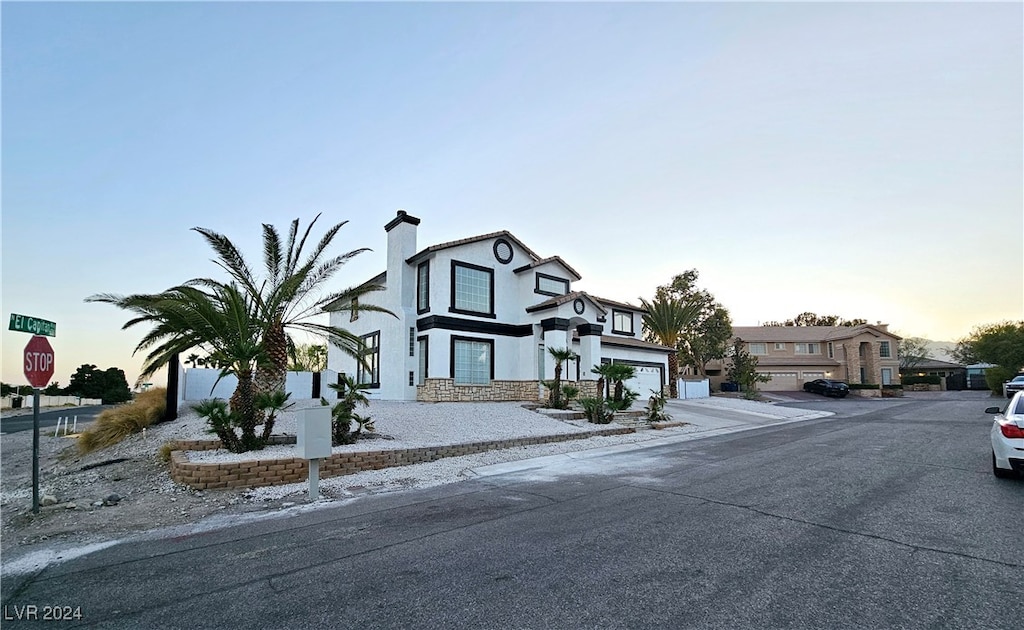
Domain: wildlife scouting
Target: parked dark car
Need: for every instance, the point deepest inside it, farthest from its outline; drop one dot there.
(828, 387)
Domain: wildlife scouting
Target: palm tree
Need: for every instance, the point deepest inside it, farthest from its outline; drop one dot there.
(605, 371)
(665, 320)
(619, 373)
(560, 355)
(223, 322)
(290, 293)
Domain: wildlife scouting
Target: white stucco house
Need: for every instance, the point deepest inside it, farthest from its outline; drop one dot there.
(475, 318)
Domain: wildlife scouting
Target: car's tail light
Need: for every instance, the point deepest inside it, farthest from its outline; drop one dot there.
(1012, 431)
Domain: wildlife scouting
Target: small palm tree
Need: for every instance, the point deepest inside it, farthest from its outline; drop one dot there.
(353, 394)
(560, 355)
(605, 371)
(664, 322)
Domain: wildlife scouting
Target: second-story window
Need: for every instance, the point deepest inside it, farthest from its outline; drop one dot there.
(807, 348)
(472, 289)
(550, 285)
(884, 351)
(757, 348)
(622, 322)
(423, 287)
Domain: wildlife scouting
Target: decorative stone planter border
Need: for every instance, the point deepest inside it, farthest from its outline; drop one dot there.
(273, 472)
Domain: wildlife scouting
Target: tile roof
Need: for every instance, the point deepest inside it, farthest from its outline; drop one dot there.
(544, 261)
(473, 239)
(805, 333)
(631, 307)
(562, 299)
(629, 342)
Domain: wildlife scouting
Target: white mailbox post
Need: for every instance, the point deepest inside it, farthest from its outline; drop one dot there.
(313, 439)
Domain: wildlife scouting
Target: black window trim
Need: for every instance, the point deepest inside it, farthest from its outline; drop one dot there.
(426, 357)
(451, 358)
(422, 293)
(490, 271)
(631, 333)
(511, 251)
(359, 366)
(536, 284)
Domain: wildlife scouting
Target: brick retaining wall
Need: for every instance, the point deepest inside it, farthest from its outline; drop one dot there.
(273, 472)
(445, 390)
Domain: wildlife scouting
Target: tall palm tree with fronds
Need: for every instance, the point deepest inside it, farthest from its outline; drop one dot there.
(222, 321)
(290, 293)
(664, 322)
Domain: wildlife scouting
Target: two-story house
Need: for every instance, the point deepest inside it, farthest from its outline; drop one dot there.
(474, 319)
(793, 355)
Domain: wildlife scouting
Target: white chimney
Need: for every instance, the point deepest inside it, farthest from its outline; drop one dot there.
(401, 246)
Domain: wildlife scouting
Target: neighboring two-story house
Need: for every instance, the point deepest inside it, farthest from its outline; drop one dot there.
(793, 355)
(474, 319)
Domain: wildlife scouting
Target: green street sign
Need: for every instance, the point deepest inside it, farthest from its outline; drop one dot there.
(33, 325)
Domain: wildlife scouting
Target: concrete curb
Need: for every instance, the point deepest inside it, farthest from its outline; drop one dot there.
(543, 462)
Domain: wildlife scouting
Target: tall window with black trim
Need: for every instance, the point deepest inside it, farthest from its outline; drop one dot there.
(423, 287)
(369, 374)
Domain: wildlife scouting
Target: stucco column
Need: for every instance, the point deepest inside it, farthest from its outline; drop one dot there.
(590, 349)
(554, 337)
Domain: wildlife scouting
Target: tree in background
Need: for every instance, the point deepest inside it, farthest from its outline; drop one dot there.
(913, 351)
(665, 322)
(813, 319)
(109, 385)
(743, 369)
(307, 357)
(1000, 344)
(707, 337)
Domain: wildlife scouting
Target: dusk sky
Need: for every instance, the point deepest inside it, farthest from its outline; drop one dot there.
(863, 160)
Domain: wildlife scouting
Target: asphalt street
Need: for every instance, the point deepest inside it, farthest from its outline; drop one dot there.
(885, 515)
(48, 418)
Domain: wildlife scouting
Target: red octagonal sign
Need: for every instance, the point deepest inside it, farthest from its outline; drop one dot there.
(38, 362)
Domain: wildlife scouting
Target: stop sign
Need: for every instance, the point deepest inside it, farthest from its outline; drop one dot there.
(38, 361)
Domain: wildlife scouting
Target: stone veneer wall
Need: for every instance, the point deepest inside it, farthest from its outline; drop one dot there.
(445, 390)
(272, 472)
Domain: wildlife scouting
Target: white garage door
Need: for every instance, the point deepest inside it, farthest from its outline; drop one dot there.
(781, 382)
(646, 379)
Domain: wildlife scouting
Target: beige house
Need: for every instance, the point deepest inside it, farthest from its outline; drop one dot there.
(793, 355)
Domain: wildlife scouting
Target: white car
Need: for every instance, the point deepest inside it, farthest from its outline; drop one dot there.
(1014, 385)
(1008, 438)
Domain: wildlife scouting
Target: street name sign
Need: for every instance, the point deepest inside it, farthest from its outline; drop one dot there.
(34, 325)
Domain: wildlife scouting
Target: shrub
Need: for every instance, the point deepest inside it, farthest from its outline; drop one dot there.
(927, 379)
(344, 412)
(996, 376)
(597, 410)
(114, 425)
(656, 408)
(865, 386)
(569, 393)
(624, 398)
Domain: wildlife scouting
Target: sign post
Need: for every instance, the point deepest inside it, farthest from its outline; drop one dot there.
(38, 370)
